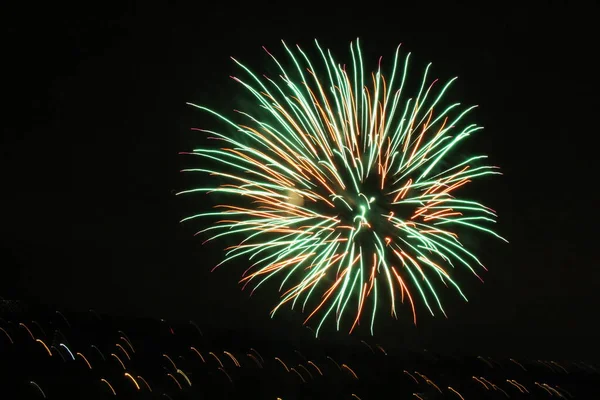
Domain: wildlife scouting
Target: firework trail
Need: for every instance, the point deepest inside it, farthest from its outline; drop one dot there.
(344, 188)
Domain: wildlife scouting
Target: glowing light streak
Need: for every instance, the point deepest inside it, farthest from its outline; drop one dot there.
(456, 392)
(119, 360)
(123, 350)
(45, 347)
(84, 359)
(38, 388)
(350, 371)
(171, 361)
(180, 372)
(175, 379)
(145, 383)
(297, 373)
(27, 329)
(197, 352)
(7, 335)
(235, 361)
(282, 363)
(99, 352)
(68, 350)
(128, 375)
(109, 386)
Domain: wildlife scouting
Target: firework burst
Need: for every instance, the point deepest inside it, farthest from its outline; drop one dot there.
(346, 191)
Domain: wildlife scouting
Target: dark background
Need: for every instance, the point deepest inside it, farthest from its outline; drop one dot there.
(95, 115)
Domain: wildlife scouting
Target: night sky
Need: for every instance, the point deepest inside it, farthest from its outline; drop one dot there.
(95, 116)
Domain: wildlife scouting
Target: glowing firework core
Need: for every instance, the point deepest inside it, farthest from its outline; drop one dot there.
(295, 199)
